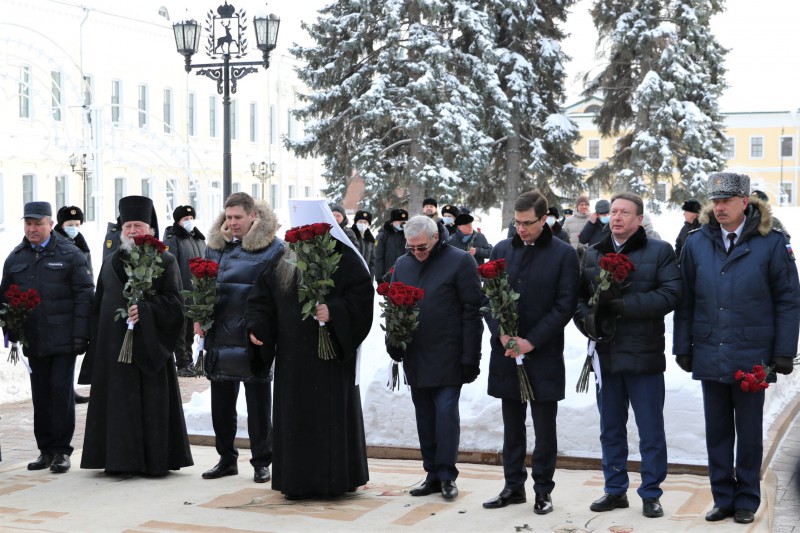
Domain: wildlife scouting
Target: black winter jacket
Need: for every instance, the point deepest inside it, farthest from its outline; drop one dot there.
(230, 355)
(477, 240)
(184, 246)
(650, 292)
(366, 247)
(390, 245)
(62, 278)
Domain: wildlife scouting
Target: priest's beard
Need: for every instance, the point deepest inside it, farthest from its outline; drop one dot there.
(127, 243)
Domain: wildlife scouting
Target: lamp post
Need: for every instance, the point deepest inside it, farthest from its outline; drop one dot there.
(80, 166)
(260, 171)
(226, 40)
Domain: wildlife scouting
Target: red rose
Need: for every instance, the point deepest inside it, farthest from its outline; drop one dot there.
(408, 300)
(418, 293)
(13, 290)
(397, 298)
(745, 386)
(739, 375)
(291, 236)
(321, 228)
(759, 373)
(492, 269)
(383, 288)
(212, 269)
(197, 268)
(305, 233)
(15, 301)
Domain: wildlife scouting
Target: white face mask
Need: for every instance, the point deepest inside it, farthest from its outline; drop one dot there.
(604, 219)
(448, 221)
(71, 231)
(362, 226)
(550, 221)
(188, 225)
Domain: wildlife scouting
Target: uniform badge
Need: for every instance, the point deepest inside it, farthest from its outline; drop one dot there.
(108, 244)
(790, 252)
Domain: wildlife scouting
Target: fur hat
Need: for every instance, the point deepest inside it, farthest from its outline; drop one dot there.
(691, 205)
(450, 210)
(183, 211)
(362, 215)
(429, 201)
(464, 218)
(726, 185)
(602, 207)
(581, 199)
(552, 211)
(139, 208)
(399, 215)
(69, 212)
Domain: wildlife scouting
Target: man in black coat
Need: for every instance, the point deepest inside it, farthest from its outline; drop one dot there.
(365, 241)
(597, 226)
(185, 242)
(242, 241)
(445, 351)
(56, 331)
(556, 224)
(471, 241)
(628, 329)
(449, 214)
(691, 214)
(391, 244)
(545, 272)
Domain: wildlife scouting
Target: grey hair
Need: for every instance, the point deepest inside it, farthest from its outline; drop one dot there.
(421, 224)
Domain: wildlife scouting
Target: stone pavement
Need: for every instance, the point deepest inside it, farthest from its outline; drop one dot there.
(88, 500)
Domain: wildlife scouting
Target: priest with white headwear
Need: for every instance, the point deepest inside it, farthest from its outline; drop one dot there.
(319, 448)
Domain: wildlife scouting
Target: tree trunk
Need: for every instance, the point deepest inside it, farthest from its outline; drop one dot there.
(512, 178)
(414, 192)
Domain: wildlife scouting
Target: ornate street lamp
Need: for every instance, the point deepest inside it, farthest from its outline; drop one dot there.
(80, 166)
(226, 40)
(260, 171)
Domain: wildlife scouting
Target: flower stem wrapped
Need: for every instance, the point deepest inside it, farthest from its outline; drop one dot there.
(200, 301)
(400, 311)
(13, 314)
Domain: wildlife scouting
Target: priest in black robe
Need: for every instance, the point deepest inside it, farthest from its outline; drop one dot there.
(319, 449)
(135, 420)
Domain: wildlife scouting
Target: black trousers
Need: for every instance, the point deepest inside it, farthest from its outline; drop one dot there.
(53, 402)
(259, 420)
(515, 444)
(183, 350)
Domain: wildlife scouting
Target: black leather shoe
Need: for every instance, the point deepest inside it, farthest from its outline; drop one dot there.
(261, 474)
(449, 490)
(506, 497)
(609, 502)
(743, 516)
(717, 513)
(543, 504)
(187, 371)
(80, 398)
(221, 470)
(60, 464)
(42, 462)
(651, 508)
(428, 487)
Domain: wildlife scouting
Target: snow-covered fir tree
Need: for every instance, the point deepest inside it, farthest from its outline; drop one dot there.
(458, 99)
(660, 91)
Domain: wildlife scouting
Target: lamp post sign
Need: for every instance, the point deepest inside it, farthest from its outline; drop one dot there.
(226, 40)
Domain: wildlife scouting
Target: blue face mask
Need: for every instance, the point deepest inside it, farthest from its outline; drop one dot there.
(604, 219)
(448, 221)
(188, 225)
(399, 227)
(71, 231)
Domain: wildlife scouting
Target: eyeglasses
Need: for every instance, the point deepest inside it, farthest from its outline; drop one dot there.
(420, 248)
(524, 223)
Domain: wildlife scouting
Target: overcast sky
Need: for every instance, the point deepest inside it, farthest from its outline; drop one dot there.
(763, 38)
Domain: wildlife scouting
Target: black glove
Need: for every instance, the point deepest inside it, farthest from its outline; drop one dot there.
(684, 361)
(79, 345)
(469, 373)
(395, 352)
(590, 326)
(615, 308)
(783, 365)
(599, 327)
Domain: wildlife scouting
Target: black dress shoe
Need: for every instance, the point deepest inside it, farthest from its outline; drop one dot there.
(543, 504)
(428, 487)
(60, 464)
(221, 470)
(261, 474)
(80, 398)
(42, 462)
(743, 516)
(187, 371)
(609, 502)
(449, 489)
(651, 508)
(718, 513)
(506, 497)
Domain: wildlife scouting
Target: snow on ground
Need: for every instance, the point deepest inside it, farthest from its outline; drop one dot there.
(389, 416)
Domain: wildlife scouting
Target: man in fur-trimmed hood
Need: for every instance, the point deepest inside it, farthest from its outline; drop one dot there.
(741, 308)
(242, 241)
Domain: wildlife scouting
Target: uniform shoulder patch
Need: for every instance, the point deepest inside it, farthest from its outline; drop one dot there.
(789, 251)
(108, 243)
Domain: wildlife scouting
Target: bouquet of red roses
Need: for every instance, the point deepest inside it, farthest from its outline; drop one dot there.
(316, 259)
(13, 314)
(400, 310)
(754, 381)
(201, 299)
(142, 266)
(503, 305)
(614, 270)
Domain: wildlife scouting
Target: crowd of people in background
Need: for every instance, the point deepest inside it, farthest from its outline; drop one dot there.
(730, 278)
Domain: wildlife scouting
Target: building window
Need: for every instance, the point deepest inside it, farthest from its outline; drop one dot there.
(273, 125)
(253, 122)
(216, 196)
(25, 92)
(193, 193)
(119, 190)
(146, 187)
(236, 187)
(307, 191)
(212, 117)
(787, 197)
(661, 192)
(290, 126)
(273, 194)
(88, 90)
(729, 151)
(291, 192)
(594, 149)
(192, 118)
(61, 191)
(172, 194)
(167, 110)
(756, 147)
(787, 146)
(27, 188)
(56, 91)
(142, 106)
(234, 120)
(116, 101)
(254, 190)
